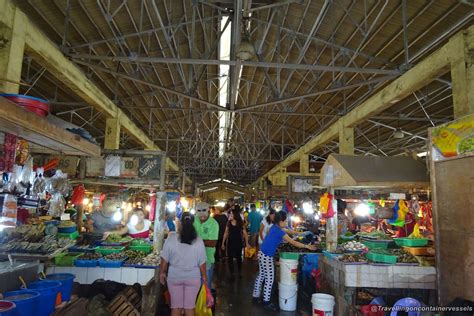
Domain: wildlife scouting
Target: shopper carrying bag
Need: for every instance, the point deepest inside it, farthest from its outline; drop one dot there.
(183, 267)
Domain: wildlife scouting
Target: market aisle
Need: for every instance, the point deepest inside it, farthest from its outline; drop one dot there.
(235, 298)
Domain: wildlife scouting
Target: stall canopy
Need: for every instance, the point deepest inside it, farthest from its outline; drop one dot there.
(344, 171)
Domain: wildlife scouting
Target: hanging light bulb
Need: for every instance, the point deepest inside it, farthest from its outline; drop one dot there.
(117, 217)
(134, 220)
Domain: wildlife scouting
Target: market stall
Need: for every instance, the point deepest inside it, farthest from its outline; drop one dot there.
(49, 197)
(451, 153)
(360, 267)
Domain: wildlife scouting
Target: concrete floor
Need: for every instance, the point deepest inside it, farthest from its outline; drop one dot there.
(235, 298)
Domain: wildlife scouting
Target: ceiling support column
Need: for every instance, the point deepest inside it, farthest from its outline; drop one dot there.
(346, 139)
(12, 46)
(462, 72)
(112, 134)
(304, 165)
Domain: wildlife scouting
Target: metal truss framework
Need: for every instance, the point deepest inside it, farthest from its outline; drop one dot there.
(273, 116)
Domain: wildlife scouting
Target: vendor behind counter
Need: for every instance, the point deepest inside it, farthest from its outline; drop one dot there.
(102, 220)
(137, 227)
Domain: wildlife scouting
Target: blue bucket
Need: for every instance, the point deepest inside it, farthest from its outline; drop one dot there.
(49, 291)
(66, 279)
(7, 308)
(26, 302)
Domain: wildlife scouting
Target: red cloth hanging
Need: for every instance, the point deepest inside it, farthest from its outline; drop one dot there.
(78, 194)
(151, 216)
(289, 206)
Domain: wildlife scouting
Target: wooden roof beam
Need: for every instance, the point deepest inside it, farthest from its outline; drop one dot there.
(432, 67)
(44, 51)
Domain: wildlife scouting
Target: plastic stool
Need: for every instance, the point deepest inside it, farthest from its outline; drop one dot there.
(407, 302)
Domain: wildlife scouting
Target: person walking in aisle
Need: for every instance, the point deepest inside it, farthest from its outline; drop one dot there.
(183, 265)
(265, 226)
(221, 219)
(208, 229)
(235, 234)
(254, 218)
(266, 271)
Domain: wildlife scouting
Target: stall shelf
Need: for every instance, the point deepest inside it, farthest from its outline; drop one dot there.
(35, 129)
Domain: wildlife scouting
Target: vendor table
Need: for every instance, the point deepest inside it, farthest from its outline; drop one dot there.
(343, 279)
(125, 275)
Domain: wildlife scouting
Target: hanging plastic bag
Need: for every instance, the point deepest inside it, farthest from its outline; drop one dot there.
(57, 205)
(250, 252)
(324, 203)
(201, 308)
(39, 185)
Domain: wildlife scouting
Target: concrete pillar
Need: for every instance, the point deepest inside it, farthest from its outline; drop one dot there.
(346, 139)
(112, 134)
(12, 46)
(462, 72)
(304, 165)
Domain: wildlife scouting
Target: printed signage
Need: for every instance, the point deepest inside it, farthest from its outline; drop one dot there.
(149, 168)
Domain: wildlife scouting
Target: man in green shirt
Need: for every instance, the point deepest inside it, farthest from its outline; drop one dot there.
(208, 229)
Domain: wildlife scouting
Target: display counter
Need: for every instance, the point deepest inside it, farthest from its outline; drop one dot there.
(125, 275)
(342, 280)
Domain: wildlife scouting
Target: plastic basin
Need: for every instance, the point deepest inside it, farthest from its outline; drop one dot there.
(49, 291)
(7, 308)
(67, 230)
(26, 302)
(66, 279)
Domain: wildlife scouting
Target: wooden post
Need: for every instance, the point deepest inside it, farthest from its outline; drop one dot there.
(331, 226)
(462, 72)
(112, 134)
(346, 139)
(304, 165)
(12, 46)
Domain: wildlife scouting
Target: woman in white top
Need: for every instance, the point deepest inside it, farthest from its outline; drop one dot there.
(137, 227)
(265, 226)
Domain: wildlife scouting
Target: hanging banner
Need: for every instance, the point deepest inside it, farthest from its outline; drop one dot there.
(302, 185)
(95, 167)
(149, 168)
(67, 164)
(112, 166)
(455, 138)
(129, 167)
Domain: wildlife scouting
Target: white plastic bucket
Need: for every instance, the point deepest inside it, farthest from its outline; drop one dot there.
(288, 271)
(288, 295)
(323, 304)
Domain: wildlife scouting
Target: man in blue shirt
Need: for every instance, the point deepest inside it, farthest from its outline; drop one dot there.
(254, 219)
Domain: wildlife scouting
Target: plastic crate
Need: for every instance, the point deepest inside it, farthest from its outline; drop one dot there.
(110, 263)
(109, 250)
(376, 244)
(83, 250)
(85, 263)
(143, 248)
(376, 257)
(66, 259)
(72, 236)
(289, 255)
(408, 242)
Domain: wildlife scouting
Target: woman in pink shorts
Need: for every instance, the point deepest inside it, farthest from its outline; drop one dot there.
(183, 267)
